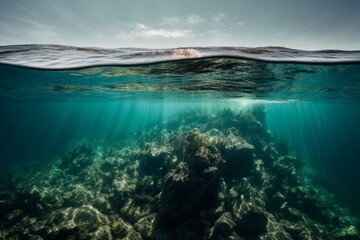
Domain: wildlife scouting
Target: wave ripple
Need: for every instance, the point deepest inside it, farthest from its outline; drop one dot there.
(68, 57)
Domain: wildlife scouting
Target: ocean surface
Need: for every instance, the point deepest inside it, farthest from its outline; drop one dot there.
(186, 143)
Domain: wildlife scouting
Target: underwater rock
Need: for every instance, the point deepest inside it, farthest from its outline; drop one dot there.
(133, 235)
(313, 208)
(29, 202)
(14, 217)
(78, 158)
(88, 218)
(102, 233)
(76, 196)
(251, 224)
(204, 158)
(5, 208)
(190, 229)
(348, 233)
(181, 196)
(119, 228)
(291, 214)
(233, 236)
(145, 226)
(195, 179)
(223, 227)
(133, 211)
(148, 188)
(298, 230)
(275, 202)
(188, 143)
(107, 166)
(269, 155)
(260, 176)
(103, 205)
(238, 155)
(251, 198)
(122, 188)
(153, 159)
(82, 222)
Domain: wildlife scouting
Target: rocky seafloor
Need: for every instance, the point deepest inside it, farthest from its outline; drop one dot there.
(195, 176)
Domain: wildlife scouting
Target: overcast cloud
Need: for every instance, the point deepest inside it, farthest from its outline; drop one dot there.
(307, 24)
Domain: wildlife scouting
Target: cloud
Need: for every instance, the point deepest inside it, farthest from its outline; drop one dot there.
(194, 19)
(219, 17)
(41, 30)
(218, 32)
(28, 30)
(171, 19)
(143, 31)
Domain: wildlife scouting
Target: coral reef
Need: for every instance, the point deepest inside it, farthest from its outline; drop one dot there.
(195, 176)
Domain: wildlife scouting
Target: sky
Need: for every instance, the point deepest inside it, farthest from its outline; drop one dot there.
(305, 24)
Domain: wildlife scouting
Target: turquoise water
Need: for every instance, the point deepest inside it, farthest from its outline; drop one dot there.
(265, 147)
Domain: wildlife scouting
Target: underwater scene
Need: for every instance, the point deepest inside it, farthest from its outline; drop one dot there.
(185, 143)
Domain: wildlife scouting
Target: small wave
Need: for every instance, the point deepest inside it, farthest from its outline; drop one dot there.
(185, 53)
(69, 57)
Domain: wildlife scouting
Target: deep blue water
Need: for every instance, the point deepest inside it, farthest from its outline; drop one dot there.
(312, 101)
(326, 135)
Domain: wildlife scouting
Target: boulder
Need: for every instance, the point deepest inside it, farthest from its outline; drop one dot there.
(181, 196)
(78, 158)
(347, 233)
(204, 157)
(133, 210)
(88, 218)
(14, 216)
(120, 229)
(223, 227)
(238, 155)
(252, 224)
(145, 226)
(30, 202)
(187, 189)
(153, 159)
(80, 223)
(102, 233)
(133, 235)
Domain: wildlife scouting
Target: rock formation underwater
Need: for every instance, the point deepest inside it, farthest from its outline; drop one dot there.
(195, 176)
